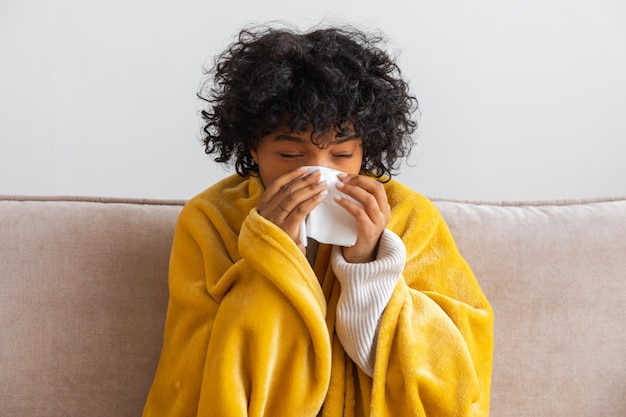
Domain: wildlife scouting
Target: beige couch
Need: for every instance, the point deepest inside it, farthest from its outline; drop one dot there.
(84, 294)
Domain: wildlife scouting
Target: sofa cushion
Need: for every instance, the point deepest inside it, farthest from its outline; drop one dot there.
(84, 293)
(555, 274)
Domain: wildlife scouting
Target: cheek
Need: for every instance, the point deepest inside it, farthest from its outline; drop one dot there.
(270, 170)
(267, 176)
(355, 166)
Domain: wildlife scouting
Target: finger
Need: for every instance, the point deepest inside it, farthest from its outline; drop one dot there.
(292, 222)
(355, 210)
(299, 190)
(373, 187)
(374, 205)
(272, 200)
(290, 204)
(297, 215)
(277, 184)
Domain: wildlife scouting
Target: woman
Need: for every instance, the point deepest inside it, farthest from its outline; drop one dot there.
(262, 322)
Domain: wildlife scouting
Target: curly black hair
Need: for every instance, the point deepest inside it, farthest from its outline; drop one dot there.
(320, 80)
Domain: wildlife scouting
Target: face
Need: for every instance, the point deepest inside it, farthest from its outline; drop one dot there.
(283, 150)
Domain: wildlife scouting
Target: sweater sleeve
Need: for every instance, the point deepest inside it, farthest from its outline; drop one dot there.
(365, 291)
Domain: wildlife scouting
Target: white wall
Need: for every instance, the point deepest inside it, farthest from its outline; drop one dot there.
(519, 99)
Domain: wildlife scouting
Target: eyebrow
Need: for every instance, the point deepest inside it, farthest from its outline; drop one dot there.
(289, 138)
(284, 137)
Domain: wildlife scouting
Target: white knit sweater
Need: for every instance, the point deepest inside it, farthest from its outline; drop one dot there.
(365, 291)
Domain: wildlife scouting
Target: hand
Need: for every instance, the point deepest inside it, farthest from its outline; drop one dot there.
(289, 198)
(371, 219)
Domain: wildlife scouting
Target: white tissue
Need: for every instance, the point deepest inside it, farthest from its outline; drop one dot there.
(329, 222)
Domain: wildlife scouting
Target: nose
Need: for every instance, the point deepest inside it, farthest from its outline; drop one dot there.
(320, 158)
(318, 163)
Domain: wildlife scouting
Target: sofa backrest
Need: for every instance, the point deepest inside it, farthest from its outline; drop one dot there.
(555, 274)
(82, 307)
(84, 295)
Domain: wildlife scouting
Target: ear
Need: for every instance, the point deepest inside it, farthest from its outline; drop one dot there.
(254, 153)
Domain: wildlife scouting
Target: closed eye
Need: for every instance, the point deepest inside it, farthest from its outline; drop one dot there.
(289, 155)
(345, 156)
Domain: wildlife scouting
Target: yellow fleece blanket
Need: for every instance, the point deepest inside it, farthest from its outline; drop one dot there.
(250, 325)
